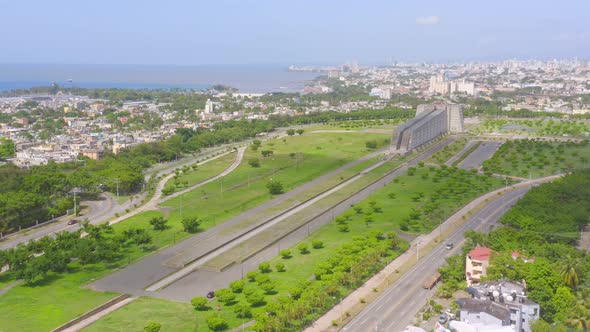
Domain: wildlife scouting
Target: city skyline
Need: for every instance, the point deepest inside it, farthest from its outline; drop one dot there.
(265, 32)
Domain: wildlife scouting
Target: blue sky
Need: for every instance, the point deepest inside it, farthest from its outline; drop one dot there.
(201, 32)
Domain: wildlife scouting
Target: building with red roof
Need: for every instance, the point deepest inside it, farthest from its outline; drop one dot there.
(476, 264)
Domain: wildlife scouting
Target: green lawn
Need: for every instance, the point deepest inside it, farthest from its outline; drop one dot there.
(245, 188)
(448, 152)
(539, 127)
(189, 176)
(47, 305)
(397, 202)
(533, 158)
(174, 316)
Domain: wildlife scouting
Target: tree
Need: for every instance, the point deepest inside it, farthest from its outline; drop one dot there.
(254, 162)
(266, 153)
(274, 187)
(303, 248)
(200, 303)
(280, 266)
(153, 327)
(216, 322)
(570, 271)
(264, 267)
(300, 132)
(290, 132)
(191, 224)
(159, 223)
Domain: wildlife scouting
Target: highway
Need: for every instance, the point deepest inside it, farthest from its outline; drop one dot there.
(397, 306)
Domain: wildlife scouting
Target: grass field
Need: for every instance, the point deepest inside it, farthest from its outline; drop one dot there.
(189, 176)
(535, 127)
(174, 316)
(448, 151)
(533, 158)
(389, 208)
(245, 187)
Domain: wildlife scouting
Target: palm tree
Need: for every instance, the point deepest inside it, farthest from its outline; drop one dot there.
(570, 272)
(580, 319)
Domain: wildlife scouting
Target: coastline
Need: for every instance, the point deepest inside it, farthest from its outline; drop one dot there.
(246, 78)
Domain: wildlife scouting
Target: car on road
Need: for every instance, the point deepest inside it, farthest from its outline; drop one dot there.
(72, 222)
(443, 318)
(449, 246)
(211, 295)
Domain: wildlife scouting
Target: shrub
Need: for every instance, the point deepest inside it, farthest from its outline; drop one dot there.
(191, 224)
(159, 223)
(237, 286)
(303, 248)
(200, 303)
(225, 295)
(242, 310)
(152, 327)
(280, 266)
(254, 162)
(268, 287)
(255, 298)
(317, 244)
(286, 253)
(274, 187)
(343, 228)
(264, 267)
(252, 276)
(262, 278)
(216, 322)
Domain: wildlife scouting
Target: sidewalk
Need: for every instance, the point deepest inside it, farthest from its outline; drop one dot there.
(409, 257)
(98, 315)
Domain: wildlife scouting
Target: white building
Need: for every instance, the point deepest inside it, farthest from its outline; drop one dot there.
(209, 107)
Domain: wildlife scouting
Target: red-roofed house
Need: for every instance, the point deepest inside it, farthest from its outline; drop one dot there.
(476, 264)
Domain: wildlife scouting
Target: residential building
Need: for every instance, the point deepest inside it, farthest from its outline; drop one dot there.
(499, 304)
(476, 264)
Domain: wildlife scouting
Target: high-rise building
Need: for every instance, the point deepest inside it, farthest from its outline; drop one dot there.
(438, 84)
(209, 107)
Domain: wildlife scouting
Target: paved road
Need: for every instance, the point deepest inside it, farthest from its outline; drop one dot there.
(483, 152)
(105, 209)
(396, 307)
(138, 276)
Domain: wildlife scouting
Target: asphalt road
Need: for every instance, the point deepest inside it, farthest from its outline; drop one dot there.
(483, 152)
(397, 306)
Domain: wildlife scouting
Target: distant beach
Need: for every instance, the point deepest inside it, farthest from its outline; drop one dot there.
(247, 79)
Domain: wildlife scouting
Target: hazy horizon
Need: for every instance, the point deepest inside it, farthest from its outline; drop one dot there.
(231, 32)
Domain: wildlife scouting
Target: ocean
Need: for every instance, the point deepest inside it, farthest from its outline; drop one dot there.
(248, 79)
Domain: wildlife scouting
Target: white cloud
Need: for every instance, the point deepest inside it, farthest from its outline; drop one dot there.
(428, 20)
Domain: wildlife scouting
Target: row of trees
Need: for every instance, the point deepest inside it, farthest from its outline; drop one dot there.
(34, 261)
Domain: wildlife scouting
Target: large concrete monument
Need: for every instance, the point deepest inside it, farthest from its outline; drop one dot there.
(431, 121)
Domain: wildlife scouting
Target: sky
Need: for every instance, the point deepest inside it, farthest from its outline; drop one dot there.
(223, 32)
